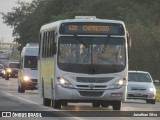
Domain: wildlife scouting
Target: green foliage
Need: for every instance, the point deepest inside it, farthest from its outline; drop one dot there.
(158, 96)
(140, 16)
(68, 15)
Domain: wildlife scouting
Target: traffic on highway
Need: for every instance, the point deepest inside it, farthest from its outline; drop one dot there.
(31, 101)
(31, 98)
(80, 59)
(83, 68)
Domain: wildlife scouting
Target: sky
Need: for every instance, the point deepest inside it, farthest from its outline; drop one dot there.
(6, 31)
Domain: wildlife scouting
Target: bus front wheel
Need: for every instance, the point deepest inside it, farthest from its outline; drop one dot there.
(56, 104)
(21, 88)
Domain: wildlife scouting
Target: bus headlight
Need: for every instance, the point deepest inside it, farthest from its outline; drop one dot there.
(63, 82)
(26, 78)
(117, 84)
(9, 70)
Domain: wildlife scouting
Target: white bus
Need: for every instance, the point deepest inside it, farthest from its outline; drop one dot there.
(83, 60)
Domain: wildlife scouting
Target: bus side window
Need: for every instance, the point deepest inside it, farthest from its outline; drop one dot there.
(49, 44)
(40, 40)
(53, 44)
(43, 45)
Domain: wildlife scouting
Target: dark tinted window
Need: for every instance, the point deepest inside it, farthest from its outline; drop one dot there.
(30, 62)
(139, 77)
(14, 65)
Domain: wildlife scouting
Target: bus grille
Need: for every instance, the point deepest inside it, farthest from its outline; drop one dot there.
(94, 80)
(96, 86)
(91, 94)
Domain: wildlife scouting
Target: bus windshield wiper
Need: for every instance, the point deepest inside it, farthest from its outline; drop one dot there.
(106, 43)
(81, 41)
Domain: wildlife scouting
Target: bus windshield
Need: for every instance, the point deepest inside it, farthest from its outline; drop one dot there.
(73, 56)
(30, 62)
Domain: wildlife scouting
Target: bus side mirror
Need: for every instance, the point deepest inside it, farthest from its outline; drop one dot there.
(54, 50)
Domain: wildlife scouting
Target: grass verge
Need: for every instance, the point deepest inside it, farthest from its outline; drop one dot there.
(158, 96)
(15, 56)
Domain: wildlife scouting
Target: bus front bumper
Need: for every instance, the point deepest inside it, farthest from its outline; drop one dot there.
(90, 94)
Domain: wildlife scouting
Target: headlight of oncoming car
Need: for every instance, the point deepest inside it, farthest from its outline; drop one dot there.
(152, 89)
(8, 70)
(4, 72)
(118, 84)
(63, 82)
(26, 78)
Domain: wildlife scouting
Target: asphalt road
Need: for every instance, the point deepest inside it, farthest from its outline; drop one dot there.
(11, 100)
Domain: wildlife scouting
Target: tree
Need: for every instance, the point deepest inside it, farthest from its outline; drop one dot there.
(18, 20)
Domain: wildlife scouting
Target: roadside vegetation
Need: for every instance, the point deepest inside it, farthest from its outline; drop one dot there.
(15, 56)
(158, 96)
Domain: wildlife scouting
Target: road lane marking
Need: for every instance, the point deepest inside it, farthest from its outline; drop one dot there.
(27, 100)
(6, 93)
(129, 108)
(49, 108)
(38, 104)
(19, 97)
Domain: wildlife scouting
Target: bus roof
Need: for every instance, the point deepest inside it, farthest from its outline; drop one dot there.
(58, 23)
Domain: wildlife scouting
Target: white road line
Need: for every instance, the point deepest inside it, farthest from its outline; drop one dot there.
(27, 100)
(77, 118)
(129, 108)
(37, 104)
(6, 93)
(19, 97)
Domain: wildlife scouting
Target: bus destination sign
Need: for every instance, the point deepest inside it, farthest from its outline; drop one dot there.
(91, 28)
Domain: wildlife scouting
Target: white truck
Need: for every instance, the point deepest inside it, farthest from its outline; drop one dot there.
(27, 74)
